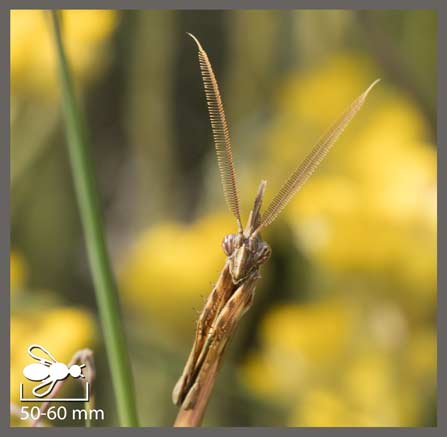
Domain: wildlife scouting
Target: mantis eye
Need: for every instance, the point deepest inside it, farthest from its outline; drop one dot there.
(231, 242)
(264, 253)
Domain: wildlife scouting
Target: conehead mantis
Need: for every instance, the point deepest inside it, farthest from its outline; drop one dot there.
(246, 251)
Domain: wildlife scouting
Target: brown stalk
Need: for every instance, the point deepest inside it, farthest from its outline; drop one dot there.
(81, 356)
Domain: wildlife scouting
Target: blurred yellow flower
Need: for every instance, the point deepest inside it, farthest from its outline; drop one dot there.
(62, 330)
(368, 381)
(322, 407)
(313, 332)
(308, 103)
(171, 266)
(371, 207)
(299, 343)
(365, 356)
(421, 357)
(317, 96)
(33, 61)
(326, 361)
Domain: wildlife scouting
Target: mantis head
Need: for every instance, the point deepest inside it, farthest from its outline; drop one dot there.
(246, 250)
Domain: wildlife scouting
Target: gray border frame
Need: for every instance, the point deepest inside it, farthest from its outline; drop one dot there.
(6, 5)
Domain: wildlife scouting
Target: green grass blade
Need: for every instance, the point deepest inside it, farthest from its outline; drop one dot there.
(103, 279)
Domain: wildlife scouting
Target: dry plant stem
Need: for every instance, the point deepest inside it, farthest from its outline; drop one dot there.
(14, 409)
(84, 355)
(45, 405)
(194, 416)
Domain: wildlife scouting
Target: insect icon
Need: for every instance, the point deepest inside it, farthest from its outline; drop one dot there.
(49, 371)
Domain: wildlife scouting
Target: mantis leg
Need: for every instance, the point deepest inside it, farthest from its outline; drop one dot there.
(219, 335)
(213, 306)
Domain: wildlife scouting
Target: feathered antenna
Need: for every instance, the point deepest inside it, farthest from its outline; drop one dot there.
(297, 179)
(221, 134)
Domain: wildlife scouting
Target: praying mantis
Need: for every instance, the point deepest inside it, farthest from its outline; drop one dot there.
(246, 251)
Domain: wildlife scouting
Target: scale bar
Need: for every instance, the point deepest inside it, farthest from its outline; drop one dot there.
(84, 399)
